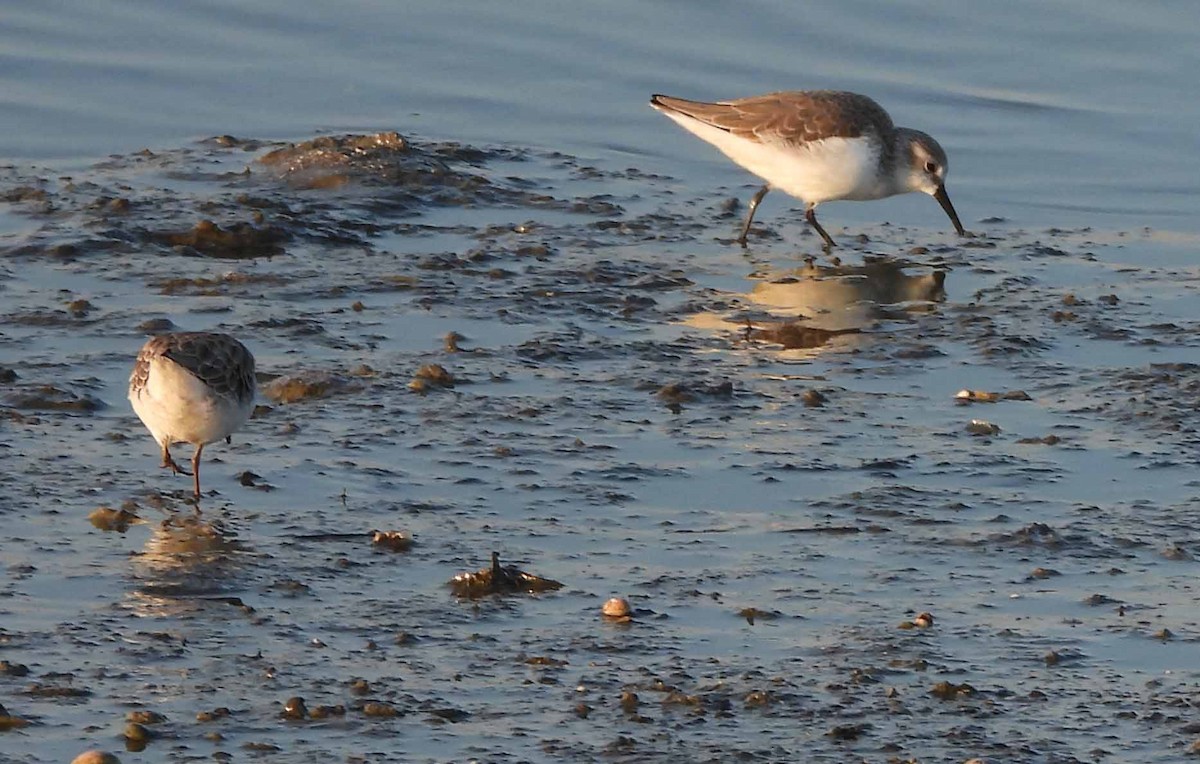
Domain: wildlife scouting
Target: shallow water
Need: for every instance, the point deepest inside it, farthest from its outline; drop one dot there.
(623, 419)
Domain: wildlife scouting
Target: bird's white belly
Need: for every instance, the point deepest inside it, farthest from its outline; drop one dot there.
(819, 171)
(177, 407)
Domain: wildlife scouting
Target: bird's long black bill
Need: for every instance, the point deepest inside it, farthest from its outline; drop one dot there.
(944, 199)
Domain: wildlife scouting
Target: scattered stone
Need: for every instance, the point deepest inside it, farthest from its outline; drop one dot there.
(793, 335)
(137, 734)
(982, 427)
(617, 608)
(450, 342)
(813, 398)
(213, 715)
(951, 691)
(1039, 574)
(629, 702)
(380, 710)
(52, 398)
(431, 376)
(294, 708)
(303, 386)
(156, 326)
(79, 308)
(14, 670)
(96, 757)
(752, 614)
(981, 396)
(10, 721)
(1046, 440)
(1177, 553)
(922, 621)
(395, 541)
(333, 161)
(675, 394)
(757, 699)
(237, 241)
(848, 731)
(325, 712)
(452, 715)
(56, 691)
(109, 519)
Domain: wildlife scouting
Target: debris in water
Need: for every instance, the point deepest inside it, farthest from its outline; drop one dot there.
(922, 621)
(981, 396)
(429, 376)
(500, 579)
(983, 427)
(396, 541)
(109, 519)
(303, 386)
(294, 708)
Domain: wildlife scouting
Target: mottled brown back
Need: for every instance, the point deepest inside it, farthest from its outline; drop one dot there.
(217, 360)
(796, 116)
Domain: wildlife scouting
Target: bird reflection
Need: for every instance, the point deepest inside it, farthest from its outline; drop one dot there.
(807, 307)
(189, 558)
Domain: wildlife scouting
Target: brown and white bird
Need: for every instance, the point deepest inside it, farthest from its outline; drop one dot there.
(192, 387)
(818, 146)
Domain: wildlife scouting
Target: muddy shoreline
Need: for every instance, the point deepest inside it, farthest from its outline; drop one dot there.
(764, 455)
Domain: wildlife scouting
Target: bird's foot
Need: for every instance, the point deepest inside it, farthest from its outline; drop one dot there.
(173, 465)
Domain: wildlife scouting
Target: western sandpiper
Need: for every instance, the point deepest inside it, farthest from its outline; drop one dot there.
(818, 146)
(192, 387)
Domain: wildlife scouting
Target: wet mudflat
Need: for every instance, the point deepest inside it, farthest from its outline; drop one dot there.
(477, 348)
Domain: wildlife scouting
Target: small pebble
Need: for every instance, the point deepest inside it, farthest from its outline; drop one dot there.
(813, 398)
(137, 733)
(757, 699)
(96, 757)
(213, 715)
(324, 712)
(294, 708)
(983, 427)
(395, 541)
(380, 710)
(145, 717)
(616, 607)
(629, 702)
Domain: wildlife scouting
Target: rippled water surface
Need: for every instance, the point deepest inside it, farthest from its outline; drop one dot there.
(762, 451)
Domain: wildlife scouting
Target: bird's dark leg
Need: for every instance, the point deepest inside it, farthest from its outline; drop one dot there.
(170, 463)
(196, 469)
(810, 215)
(758, 197)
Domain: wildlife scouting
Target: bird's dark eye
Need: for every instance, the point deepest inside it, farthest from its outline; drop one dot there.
(931, 168)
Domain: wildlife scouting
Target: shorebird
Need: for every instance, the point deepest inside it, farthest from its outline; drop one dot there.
(192, 387)
(818, 146)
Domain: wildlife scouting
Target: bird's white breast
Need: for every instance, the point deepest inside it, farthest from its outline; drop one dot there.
(817, 171)
(177, 407)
